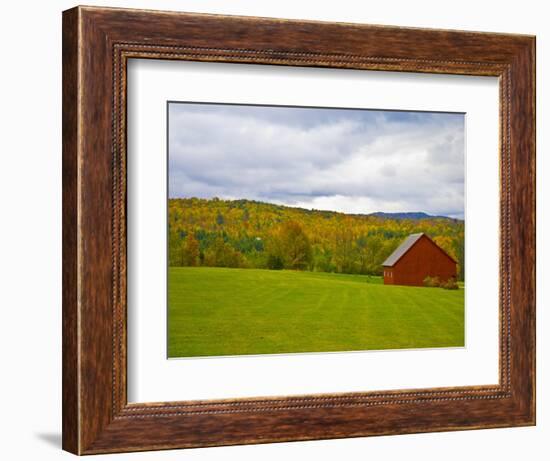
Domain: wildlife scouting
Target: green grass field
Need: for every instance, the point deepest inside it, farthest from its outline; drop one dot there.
(218, 311)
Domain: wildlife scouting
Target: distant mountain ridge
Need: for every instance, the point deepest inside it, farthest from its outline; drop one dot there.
(412, 215)
(409, 215)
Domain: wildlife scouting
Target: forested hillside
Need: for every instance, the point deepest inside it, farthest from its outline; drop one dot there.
(248, 234)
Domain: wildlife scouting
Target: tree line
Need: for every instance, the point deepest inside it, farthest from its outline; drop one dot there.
(249, 234)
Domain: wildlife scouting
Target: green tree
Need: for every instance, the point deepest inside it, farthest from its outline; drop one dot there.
(175, 249)
(459, 252)
(344, 249)
(275, 262)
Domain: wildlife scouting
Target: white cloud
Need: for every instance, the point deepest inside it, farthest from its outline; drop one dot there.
(346, 160)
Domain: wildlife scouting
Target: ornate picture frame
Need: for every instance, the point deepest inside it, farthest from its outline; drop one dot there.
(97, 44)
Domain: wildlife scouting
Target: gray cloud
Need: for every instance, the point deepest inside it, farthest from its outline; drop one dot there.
(357, 161)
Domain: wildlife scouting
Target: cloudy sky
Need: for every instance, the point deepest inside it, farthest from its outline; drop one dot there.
(353, 161)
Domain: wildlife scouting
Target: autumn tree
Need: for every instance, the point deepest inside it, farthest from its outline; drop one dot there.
(191, 250)
(459, 251)
(245, 233)
(369, 254)
(221, 254)
(175, 249)
(344, 251)
(290, 245)
(454, 250)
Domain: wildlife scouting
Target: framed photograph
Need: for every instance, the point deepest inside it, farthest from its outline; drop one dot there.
(281, 230)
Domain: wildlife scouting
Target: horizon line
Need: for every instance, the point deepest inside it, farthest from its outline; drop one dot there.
(428, 215)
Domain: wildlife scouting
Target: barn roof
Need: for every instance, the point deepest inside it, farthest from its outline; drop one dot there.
(402, 249)
(406, 246)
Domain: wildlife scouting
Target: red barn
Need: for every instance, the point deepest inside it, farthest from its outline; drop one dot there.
(415, 259)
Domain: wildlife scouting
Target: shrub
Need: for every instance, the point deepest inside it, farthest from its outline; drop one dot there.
(432, 282)
(450, 284)
(275, 262)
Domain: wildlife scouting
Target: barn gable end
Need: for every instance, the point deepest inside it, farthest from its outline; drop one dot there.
(417, 258)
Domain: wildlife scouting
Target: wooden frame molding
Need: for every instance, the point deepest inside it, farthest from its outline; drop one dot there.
(97, 43)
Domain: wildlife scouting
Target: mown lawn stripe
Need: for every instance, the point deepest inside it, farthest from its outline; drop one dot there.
(219, 311)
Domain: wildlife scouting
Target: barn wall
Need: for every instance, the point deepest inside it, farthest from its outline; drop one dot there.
(423, 259)
(388, 276)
